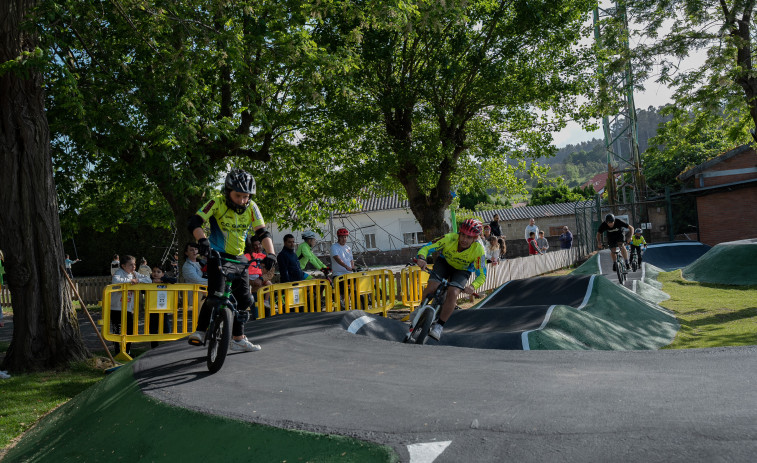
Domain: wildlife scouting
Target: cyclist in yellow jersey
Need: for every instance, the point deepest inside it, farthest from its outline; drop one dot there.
(461, 255)
(231, 216)
(636, 243)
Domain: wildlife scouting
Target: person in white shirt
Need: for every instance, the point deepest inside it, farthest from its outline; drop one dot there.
(125, 274)
(342, 260)
(531, 227)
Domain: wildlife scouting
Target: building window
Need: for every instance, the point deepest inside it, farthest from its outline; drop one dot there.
(370, 241)
(413, 238)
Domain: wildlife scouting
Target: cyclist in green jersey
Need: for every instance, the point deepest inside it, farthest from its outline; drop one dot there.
(231, 216)
(461, 255)
(305, 252)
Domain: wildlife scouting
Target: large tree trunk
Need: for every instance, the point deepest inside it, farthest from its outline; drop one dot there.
(45, 330)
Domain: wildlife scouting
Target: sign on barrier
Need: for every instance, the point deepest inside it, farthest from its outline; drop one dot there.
(140, 321)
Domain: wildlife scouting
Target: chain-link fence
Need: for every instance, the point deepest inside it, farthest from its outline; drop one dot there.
(670, 218)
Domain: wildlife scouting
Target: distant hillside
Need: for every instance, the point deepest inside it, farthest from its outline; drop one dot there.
(576, 164)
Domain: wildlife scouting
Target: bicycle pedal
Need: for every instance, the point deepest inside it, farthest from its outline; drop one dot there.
(195, 343)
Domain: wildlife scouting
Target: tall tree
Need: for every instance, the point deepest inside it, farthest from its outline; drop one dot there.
(452, 93)
(671, 33)
(158, 99)
(45, 330)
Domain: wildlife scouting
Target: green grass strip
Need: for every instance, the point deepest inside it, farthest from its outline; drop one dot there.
(25, 398)
(711, 315)
(114, 421)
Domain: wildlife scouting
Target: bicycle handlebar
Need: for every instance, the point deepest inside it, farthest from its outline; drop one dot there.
(444, 280)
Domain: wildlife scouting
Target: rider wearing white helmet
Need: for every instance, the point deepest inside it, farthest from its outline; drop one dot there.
(305, 252)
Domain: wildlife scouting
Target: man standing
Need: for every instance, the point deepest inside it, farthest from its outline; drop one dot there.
(496, 231)
(341, 254)
(289, 266)
(531, 227)
(566, 239)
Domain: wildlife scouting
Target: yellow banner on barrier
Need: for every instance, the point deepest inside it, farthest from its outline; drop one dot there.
(140, 312)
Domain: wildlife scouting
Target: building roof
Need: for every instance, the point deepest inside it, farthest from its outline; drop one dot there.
(599, 182)
(527, 212)
(385, 203)
(687, 174)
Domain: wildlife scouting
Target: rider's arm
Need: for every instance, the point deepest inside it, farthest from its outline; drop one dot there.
(428, 248)
(479, 269)
(307, 252)
(265, 239)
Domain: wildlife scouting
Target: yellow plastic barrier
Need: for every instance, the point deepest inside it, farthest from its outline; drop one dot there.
(412, 283)
(301, 296)
(159, 299)
(373, 291)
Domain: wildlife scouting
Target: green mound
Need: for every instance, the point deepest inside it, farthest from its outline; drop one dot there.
(114, 421)
(614, 319)
(590, 267)
(733, 263)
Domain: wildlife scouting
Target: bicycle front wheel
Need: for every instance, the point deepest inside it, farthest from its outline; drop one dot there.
(619, 272)
(219, 339)
(420, 332)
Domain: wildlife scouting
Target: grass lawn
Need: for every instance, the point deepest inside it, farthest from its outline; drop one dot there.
(710, 315)
(28, 397)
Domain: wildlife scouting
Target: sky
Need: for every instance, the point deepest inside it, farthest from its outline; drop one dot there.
(655, 95)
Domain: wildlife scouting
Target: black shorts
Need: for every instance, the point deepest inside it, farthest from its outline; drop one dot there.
(456, 278)
(613, 240)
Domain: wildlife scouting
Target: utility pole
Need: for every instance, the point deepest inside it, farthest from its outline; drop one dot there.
(619, 121)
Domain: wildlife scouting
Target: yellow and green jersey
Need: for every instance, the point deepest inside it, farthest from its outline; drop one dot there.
(228, 230)
(472, 259)
(638, 241)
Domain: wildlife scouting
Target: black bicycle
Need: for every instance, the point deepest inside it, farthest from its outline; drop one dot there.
(428, 312)
(620, 266)
(218, 335)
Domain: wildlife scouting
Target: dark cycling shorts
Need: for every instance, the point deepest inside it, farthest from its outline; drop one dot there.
(613, 240)
(456, 278)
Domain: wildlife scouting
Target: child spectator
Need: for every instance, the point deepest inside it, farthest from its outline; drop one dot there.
(254, 254)
(69, 263)
(114, 264)
(492, 250)
(125, 274)
(533, 246)
(159, 276)
(502, 247)
(144, 269)
(542, 242)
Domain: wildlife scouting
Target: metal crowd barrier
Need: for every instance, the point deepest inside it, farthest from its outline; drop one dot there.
(372, 291)
(412, 283)
(301, 296)
(145, 299)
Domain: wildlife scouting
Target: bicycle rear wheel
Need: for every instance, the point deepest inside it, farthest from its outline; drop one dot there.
(420, 332)
(219, 339)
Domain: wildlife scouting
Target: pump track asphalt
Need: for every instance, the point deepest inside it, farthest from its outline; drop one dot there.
(339, 387)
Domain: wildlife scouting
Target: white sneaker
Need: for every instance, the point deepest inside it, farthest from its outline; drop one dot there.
(436, 331)
(4, 375)
(244, 345)
(196, 338)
